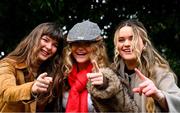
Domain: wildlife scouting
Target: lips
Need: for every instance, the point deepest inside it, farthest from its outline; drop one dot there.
(127, 50)
(80, 54)
(44, 53)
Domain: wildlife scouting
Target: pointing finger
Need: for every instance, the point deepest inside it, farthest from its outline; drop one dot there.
(140, 75)
(41, 76)
(49, 79)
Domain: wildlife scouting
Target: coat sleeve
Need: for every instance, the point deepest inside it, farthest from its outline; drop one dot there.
(171, 91)
(114, 98)
(111, 89)
(9, 90)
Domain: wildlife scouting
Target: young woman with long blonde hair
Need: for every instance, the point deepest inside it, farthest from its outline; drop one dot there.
(90, 85)
(152, 81)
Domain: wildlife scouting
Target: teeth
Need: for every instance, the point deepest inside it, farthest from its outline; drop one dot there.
(44, 52)
(127, 50)
(80, 53)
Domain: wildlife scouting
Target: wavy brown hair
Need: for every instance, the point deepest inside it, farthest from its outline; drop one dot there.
(27, 50)
(147, 59)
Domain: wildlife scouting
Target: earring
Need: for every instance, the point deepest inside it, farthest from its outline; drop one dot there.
(144, 48)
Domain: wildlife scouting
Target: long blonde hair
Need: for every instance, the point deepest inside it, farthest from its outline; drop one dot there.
(98, 54)
(147, 59)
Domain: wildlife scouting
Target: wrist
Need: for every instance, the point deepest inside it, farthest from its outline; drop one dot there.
(159, 96)
(34, 95)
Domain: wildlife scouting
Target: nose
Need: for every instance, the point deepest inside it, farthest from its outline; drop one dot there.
(127, 43)
(49, 45)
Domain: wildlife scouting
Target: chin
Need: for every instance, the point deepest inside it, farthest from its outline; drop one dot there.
(42, 58)
(81, 60)
(129, 58)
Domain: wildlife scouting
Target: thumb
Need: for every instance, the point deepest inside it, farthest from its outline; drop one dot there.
(95, 65)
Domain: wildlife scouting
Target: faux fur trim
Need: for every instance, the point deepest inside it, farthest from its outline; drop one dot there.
(111, 89)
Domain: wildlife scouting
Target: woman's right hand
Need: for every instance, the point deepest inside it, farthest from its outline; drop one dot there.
(41, 84)
(96, 78)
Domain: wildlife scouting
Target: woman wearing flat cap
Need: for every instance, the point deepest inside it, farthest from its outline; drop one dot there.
(89, 84)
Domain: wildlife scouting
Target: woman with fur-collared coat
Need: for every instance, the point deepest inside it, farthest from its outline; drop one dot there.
(114, 97)
(91, 86)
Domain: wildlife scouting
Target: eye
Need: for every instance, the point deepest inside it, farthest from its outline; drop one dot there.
(55, 45)
(45, 38)
(131, 38)
(88, 43)
(121, 39)
(74, 44)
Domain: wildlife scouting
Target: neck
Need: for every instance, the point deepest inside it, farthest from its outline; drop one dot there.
(82, 66)
(35, 67)
(131, 64)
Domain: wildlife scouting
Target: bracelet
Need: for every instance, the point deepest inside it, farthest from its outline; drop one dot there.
(34, 95)
(160, 97)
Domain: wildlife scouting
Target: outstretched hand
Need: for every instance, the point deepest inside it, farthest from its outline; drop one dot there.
(41, 84)
(96, 78)
(147, 87)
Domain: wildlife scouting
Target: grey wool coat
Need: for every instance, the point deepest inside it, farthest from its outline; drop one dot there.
(165, 82)
(114, 97)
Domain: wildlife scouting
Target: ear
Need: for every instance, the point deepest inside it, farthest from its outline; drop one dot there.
(145, 45)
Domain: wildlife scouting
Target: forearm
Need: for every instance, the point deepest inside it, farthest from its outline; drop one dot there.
(161, 99)
(108, 90)
(18, 93)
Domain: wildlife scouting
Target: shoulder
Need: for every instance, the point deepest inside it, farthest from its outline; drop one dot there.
(107, 71)
(162, 71)
(7, 61)
(163, 74)
(7, 64)
(111, 89)
(110, 74)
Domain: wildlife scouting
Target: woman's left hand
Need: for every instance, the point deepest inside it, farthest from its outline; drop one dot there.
(95, 78)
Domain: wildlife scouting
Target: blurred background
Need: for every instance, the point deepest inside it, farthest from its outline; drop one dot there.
(160, 17)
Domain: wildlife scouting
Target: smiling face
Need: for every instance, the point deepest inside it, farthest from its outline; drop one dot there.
(124, 43)
(81, 51)
(48, 48)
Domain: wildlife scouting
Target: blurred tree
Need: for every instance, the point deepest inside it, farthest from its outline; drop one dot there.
(161, 18)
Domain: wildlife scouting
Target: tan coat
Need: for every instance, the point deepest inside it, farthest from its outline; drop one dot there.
(15, 94)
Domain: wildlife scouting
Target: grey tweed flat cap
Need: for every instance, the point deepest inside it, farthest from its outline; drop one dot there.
(84, 31)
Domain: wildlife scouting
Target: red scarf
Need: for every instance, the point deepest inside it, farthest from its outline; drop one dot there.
(77, 99)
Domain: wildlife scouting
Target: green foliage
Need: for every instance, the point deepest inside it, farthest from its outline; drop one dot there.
(162, 20)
